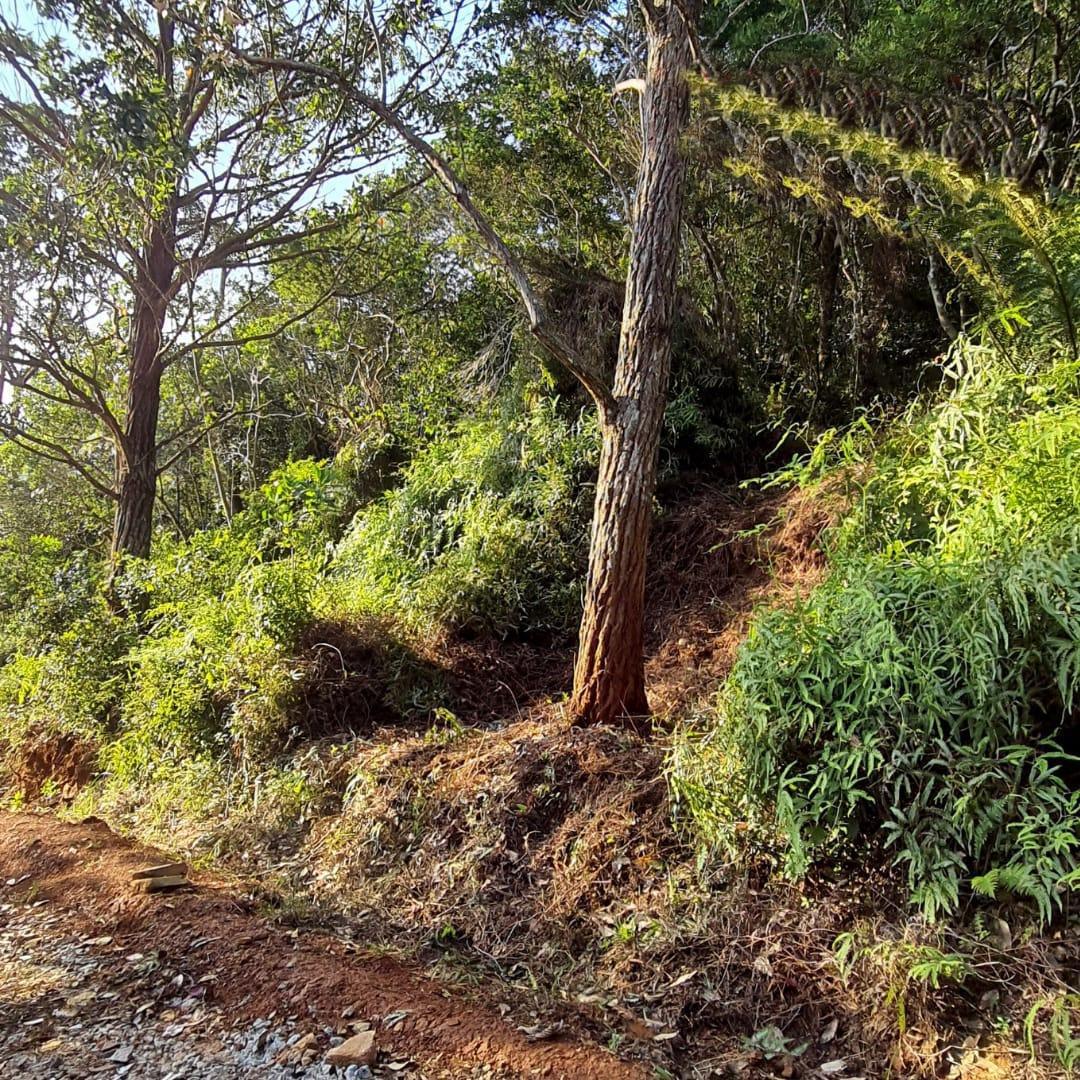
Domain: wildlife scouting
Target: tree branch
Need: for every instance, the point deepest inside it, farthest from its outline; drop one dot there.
(540, 321)
(46, 448)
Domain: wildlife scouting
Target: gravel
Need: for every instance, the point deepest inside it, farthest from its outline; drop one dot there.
(77, 1007)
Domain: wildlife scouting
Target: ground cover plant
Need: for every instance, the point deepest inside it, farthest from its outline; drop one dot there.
(923, 696)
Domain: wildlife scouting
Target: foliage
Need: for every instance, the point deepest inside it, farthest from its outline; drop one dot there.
(140, 163)
(67, 684)
(905, 967)
(922, 697)
(367, 377)
(43, 588)
(225, 612)
(206, 662)
(485, 531)
(1061, 1012)
(61, 646)
(1015, 249)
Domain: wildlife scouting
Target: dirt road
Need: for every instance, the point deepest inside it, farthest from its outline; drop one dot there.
(96, 980)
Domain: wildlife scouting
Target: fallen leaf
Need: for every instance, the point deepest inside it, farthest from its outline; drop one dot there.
(685, 977)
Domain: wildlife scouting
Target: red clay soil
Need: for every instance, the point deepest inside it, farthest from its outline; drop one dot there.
(259, 969)
(718, 557)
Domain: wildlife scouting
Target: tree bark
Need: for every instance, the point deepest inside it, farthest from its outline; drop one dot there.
(136, 454)
(829, 270)
(938, 295)
(609, 675)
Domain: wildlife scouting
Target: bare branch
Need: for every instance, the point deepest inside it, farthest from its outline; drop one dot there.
(541, 323)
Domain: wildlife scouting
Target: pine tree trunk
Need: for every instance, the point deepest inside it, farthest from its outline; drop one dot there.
(609, 676)
(136, 456)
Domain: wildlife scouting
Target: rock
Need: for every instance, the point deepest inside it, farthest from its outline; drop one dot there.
(358, 1050)
(1000, 934)
(122, 1055)
(297, 1049)
(159, 884)
(172, 869)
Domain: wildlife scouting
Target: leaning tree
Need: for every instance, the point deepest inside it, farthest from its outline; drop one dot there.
(609, 677)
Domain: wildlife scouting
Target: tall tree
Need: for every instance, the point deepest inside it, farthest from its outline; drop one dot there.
(609, 676)
(148, 172)
(609, 679)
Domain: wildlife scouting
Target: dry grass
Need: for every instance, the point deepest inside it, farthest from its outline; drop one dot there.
(723, 554)
(544, 858)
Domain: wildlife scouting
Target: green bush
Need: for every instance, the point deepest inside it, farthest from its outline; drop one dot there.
(69, 683)
(43, 588)
(60, 646)
(486, 530)
(921, 695)
(225, 613)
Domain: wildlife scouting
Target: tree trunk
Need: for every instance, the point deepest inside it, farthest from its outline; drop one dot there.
(829, 270)
(939, 296)
(828, 278)
(609, 676)
(136, 456)
(136, 472)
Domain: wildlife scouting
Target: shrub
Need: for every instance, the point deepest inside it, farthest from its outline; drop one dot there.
(69, 686)
(43, 588)
(60, 646)
(924, 693)
(486, 531)
(226, 611)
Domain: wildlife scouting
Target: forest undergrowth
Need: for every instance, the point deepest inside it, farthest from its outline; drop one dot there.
(429, 790)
